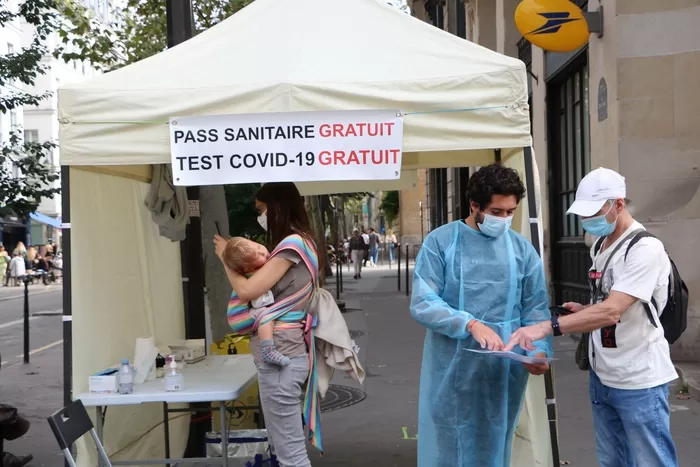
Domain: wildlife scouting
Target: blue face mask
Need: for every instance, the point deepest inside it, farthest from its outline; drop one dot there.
(494, 226)
(599, 225)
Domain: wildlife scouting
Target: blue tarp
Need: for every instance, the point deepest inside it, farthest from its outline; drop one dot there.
(44, 219)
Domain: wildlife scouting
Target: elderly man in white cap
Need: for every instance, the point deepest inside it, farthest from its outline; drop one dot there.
(623, 345)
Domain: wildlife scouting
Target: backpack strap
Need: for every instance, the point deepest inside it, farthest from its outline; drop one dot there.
(640, 235)
(599, 285)
(598, 244)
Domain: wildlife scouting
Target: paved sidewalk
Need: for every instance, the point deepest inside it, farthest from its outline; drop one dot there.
(36, 390)
(380, 430)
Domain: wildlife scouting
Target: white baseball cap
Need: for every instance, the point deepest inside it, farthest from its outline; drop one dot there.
(599, 186)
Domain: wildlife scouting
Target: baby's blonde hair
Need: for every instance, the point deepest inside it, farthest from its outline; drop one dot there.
(239, 255)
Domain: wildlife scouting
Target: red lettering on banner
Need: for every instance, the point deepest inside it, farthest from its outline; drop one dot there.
(359, 157)
(324, 158)
(354, 130)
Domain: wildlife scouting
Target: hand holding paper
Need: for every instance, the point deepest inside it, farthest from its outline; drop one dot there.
(514, 356)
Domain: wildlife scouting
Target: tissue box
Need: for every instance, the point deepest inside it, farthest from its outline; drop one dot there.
(191, 351)
(104, 382)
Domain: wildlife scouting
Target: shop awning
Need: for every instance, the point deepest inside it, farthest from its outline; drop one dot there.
(44, 219)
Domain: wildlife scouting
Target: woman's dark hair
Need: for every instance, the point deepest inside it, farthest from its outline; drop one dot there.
(492, 180)
(286, 213)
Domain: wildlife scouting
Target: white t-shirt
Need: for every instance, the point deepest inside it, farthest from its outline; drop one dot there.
(633, 354)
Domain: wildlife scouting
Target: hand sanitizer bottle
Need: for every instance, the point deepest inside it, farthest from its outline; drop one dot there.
(174, 380)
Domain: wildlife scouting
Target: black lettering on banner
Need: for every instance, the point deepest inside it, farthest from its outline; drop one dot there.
(229, 134)
(264, 159)
(249, 161)
(210, 161)
(278, 162)
(200, 136)
(308, 158)
(182, 161)
(193, 163)
(235, 161)
(309, 131)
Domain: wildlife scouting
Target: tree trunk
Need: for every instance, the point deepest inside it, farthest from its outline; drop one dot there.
(343, 218)
(315, 213)
(332, 216)
(213, 208)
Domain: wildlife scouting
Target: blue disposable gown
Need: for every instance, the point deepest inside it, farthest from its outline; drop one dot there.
(469, 403)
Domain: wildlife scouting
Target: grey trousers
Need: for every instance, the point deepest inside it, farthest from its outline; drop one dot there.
(281, 390)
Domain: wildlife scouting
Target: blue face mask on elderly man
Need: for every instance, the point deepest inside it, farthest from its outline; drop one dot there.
(599, 225)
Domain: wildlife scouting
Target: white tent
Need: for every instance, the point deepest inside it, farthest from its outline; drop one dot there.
(461, 101)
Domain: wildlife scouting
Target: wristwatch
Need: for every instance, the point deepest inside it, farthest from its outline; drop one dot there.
(555, 326)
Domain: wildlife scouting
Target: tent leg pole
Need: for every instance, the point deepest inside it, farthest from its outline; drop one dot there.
(66, 275)
(180, 28)
(535, 238)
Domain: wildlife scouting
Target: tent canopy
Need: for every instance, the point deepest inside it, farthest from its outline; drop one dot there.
(461, 101)
(305, 55)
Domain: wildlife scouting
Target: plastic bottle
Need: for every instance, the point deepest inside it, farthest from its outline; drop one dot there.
(174, 380)
(126, 378)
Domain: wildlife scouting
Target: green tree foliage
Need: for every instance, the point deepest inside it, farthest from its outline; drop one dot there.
(140, 30)
(243, 219)
(390, 206)
(25, 173)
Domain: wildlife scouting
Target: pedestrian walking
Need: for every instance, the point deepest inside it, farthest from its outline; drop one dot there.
(391, 243)
(17, 269)
(626, 352)
(357, 250)
(475, 282)
(365, 254)
(373, 247)
(4, 265)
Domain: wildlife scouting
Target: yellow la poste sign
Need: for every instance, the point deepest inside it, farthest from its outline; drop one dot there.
(554, 25)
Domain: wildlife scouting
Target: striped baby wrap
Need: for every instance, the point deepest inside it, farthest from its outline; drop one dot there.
(287, 315)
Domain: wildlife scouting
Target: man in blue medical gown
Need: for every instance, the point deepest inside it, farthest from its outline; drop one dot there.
(476, 281)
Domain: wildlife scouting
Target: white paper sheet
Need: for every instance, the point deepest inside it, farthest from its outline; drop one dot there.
(513, 356)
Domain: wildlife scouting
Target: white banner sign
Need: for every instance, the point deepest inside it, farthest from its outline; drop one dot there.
(289, 147)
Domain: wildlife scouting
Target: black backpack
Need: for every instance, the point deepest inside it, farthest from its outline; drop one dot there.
(674, 317)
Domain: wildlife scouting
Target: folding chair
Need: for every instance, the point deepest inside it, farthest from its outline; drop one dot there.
(70, 424)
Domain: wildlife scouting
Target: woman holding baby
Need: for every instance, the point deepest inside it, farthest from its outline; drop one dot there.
(278, 285)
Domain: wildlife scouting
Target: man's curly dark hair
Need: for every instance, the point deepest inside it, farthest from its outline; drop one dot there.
(492, 180)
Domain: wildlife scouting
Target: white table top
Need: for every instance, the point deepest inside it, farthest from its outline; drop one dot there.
(216, 378)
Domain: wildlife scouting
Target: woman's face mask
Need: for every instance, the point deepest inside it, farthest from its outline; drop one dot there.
(262, 220)
(599, 225)
(495, 226)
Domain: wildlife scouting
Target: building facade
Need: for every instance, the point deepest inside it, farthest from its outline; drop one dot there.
(626, 101)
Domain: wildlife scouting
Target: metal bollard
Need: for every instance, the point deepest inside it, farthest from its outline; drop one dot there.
(407, 258)
(26, 318)
(340, 274)
(337, 280)
(398, 266)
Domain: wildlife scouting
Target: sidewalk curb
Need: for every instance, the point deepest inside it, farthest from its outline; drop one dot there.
(690, 379)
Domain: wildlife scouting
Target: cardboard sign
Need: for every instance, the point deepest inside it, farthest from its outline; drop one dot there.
(289, 147)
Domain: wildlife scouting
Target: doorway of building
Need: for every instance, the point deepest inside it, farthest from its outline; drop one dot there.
(569, 161)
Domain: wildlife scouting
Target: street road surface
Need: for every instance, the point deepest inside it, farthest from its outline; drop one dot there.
(45, 328)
